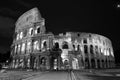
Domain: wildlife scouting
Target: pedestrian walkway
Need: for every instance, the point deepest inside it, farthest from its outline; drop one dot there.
(18, 75)
(61, 75)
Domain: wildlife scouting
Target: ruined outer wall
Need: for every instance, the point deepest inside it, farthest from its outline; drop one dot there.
(91, 46)
(30, 37)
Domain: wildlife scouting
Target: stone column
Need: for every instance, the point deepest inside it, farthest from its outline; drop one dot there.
(89, 55)
(47, 64)
(28, 63)
(37, 64)
(12, 64)
(59, 63)
(84, 61)
(95, 56)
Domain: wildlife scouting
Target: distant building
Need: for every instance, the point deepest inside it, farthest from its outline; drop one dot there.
(33, 48)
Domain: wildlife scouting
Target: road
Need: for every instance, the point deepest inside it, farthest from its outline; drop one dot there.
(62, 75)
(97, 75)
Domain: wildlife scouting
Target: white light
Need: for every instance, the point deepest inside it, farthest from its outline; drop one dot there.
(118, 5)
(23, 47)
(69, 39)
(36, 45)
(21, 35)
(17, 36)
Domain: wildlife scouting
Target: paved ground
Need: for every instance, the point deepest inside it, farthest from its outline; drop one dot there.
(18, 75)
(61, 75)
(113, 74)
(98, 75)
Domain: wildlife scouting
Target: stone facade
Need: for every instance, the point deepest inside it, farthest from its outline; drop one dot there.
(33, 48)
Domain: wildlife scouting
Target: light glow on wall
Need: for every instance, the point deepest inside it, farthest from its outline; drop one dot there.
(23, 47)
(17, 36)
(36, 45)
(21, 35)
(29, 47)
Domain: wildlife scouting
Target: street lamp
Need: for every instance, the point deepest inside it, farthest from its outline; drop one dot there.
(118, 5)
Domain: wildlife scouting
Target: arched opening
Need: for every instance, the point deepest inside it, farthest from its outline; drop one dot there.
(106, 63)
(43, 63)
(91, 49)
(38, 30)
(66, 64)
(98, 63)
(45, 44)
(93, 63)
(31, 31)
(86, 49)
(56, 45)
(65, 45)
(87, 63)
(53, 63)
(103, 64)
(75, 64)
(85, 41)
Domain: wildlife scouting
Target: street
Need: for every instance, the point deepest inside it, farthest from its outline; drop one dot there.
(111, 74)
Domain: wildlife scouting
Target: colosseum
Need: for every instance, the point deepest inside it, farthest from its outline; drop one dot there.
(34, 48)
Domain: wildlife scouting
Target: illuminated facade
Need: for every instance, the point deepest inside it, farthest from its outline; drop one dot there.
(33, 48)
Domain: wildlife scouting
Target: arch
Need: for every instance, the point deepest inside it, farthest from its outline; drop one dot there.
(75, 64)
(65, 45)
(91, 49)
(31, 31)
(44, 45)
(66, 64)
(36, 45)
(21, 35)
(98, 63)
(85, 49)
(43, 59)
(87, 63)
(93, 63)
(85, 41)
(109, 63)
(106, 63)
(102, 63)
(38, 30)
(56, 45)
(23, 47)
(18, 35)
(52, 63)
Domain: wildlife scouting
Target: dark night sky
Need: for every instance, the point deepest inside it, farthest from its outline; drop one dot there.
(95, 16)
